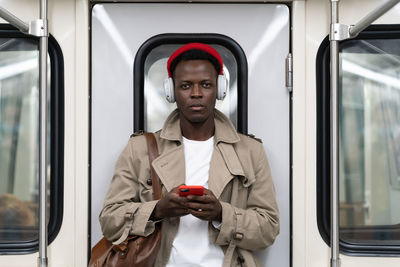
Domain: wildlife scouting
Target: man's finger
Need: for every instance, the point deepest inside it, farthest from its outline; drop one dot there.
(208, 192)
(179, 200)
(200, 206)
(181, 211)
(200, 214)
(201, 199)
(196, 206)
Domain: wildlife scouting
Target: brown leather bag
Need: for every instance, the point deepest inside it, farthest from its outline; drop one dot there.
(135, 250)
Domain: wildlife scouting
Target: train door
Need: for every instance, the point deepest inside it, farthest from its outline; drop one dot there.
(120, 32)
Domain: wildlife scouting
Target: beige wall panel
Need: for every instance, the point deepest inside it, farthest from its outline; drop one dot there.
(70, 246)
(316, 13)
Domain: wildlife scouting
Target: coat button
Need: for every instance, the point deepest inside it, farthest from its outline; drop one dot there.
(149, 181)
(238, 236)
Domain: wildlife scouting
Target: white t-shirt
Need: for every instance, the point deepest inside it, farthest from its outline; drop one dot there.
(192, 246)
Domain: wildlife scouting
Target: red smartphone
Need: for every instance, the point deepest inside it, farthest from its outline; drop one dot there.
(185, 190)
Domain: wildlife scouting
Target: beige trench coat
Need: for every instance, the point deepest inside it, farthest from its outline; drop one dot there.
(239, 177)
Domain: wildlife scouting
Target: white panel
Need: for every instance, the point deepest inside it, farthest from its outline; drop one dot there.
(269, 117)
(70, 246)
(309, 250)
(262, 30)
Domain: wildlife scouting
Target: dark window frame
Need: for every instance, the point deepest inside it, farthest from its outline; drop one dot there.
(57, 143)
(183, 38)
(323, 148)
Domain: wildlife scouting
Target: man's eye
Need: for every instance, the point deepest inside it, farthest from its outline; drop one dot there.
(185, 86)
(206, 85)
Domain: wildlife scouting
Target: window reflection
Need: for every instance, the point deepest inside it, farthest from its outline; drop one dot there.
(370, 141)
(157, 108)
(19, 129)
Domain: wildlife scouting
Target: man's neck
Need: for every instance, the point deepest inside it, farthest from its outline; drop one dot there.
(198, 131)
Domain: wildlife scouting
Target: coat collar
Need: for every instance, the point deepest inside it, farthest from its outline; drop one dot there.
(225, 164)
(224, 130)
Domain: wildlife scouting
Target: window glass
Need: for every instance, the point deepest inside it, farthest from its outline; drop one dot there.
(19, 140)
(157, 108)
(370, 141)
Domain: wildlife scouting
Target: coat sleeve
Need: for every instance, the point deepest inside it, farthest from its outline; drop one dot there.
(256, 226)
(123, 212)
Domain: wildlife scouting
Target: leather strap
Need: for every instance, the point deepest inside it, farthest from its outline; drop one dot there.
(153, 153)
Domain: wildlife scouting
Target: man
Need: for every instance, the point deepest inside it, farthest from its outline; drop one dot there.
(198, 146)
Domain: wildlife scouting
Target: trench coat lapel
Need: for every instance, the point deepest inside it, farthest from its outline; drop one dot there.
(170, 167)
(224, 166)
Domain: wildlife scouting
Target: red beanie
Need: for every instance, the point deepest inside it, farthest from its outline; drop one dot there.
(194, 46)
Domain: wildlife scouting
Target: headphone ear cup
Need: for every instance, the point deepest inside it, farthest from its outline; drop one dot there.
(169, 90)
(222, 87)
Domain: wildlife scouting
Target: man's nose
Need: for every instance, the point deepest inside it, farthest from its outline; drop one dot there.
(196, 92)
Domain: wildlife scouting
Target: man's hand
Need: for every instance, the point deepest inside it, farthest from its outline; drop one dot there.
(172, 205)
(206, 207)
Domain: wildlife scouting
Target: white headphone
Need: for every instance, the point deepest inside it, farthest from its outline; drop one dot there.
(222, 86)
(222, 81)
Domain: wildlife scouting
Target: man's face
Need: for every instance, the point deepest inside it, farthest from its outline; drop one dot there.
(195, 83)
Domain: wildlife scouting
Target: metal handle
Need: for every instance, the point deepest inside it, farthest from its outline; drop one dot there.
(371, 17)
(334, 56)
(43, 145)
(13, 20)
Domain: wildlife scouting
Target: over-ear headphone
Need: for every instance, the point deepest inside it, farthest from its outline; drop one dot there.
(222, 81)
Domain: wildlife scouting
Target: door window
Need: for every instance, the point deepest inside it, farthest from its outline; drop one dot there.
(369, 142)
(150, 71)
(157, 109)
(19, 141)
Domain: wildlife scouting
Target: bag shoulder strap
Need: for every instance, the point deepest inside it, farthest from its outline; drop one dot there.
(153, 153)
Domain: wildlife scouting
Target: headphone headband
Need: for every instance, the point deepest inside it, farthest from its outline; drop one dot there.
(195, 46)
